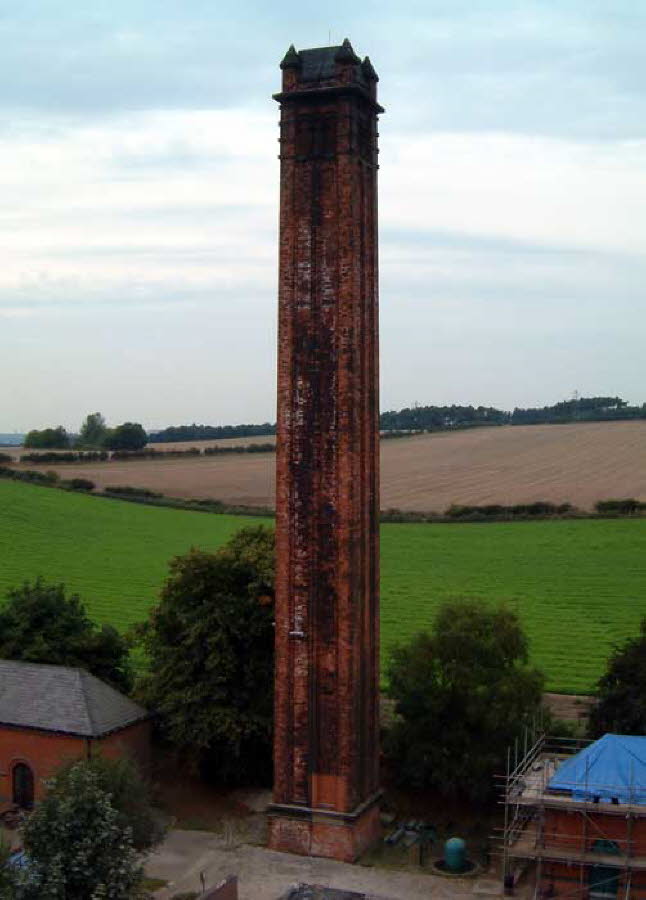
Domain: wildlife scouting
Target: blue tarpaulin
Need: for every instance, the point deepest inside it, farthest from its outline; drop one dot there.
(613, 768)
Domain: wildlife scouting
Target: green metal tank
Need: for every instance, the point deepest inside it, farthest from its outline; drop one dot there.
(455, 854)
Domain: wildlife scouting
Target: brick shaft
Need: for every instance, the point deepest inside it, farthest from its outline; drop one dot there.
(327, 502)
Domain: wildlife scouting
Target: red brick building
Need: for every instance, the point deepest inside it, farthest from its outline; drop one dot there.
(52, 714)
(580, 818)
(326, 781)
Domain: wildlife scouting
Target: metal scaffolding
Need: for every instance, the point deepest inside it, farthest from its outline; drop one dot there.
(595, 841)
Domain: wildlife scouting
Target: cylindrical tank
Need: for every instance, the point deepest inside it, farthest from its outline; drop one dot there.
(455, 854)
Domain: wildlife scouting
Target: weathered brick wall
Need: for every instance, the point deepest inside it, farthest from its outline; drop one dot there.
(327, 607)
(133, 741)
(575, 831)
(41, 751)
(44, 752)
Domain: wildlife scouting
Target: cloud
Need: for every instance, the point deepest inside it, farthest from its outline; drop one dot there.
(140, 195)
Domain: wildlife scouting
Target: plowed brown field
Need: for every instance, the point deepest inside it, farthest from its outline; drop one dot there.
(577, 463)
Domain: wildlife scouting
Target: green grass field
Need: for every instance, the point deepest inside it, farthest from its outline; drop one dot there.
(578, 586)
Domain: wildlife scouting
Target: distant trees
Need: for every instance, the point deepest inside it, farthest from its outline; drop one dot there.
(622, 690)
(129, 436)
(93, 432)
(210, 432)
(210, 646)
(439, 418)
(48, 439)
(463, 693)
(39, 623)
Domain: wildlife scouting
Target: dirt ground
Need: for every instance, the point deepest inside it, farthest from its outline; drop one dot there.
(579, 464)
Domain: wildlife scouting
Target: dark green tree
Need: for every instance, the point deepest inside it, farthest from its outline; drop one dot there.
(129, 794)
(463, 693)
(129, 436)
(621, 690)
(210, 646)
(48, 439)
(39, 623)
(77, 846)
(8, 875)
(93, 431)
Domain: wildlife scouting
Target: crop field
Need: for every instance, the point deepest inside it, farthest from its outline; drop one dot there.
(578, 585)
(579, 464)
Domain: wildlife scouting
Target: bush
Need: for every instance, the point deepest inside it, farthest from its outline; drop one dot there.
(5, 458)
(538, 509)
(48, 478)
(627, 506)
(77, 846)
(78, 484)
(129, 491)
(129, 794)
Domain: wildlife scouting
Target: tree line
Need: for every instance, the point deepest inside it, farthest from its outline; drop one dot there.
(442, 418)
(94, 435)
(438, 418)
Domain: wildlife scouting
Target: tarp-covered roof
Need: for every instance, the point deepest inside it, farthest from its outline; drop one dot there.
(612, 768)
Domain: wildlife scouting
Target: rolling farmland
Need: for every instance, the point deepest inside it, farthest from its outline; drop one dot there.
(579, 464)
(578, 586)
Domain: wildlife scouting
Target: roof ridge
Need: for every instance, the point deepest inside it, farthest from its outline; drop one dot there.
(80, 673)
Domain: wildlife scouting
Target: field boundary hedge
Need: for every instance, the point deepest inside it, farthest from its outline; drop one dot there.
(93, 456)
(623, 508)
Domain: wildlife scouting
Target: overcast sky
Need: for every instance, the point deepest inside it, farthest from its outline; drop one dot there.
(138, 227)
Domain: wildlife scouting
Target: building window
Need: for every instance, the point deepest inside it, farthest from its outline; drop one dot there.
(603, 880)
(23, 786)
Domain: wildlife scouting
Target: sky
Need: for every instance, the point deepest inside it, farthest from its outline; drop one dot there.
(139, 176)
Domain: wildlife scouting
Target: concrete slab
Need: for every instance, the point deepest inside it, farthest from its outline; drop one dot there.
(267, 875)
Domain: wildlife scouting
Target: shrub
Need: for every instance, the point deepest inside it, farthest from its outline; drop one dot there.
(78, 484)
(5, 458)
(625, 506)
(129, 491)
(77, 846)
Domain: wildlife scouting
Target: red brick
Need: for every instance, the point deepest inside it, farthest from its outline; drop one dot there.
(45, 751)
(327, 503)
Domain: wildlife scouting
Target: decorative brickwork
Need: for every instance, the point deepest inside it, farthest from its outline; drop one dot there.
(327, 503)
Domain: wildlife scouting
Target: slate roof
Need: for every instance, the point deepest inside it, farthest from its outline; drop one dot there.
(62, 700)
(319, 63)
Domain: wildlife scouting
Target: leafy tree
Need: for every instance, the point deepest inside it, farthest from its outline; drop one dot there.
(8, 875)
(39, 623)
(48, 438)
(210, 643)
(93, 431)
(77, 847)
(129, 436)
(622, 690)
(464, 692)
(129, 795)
